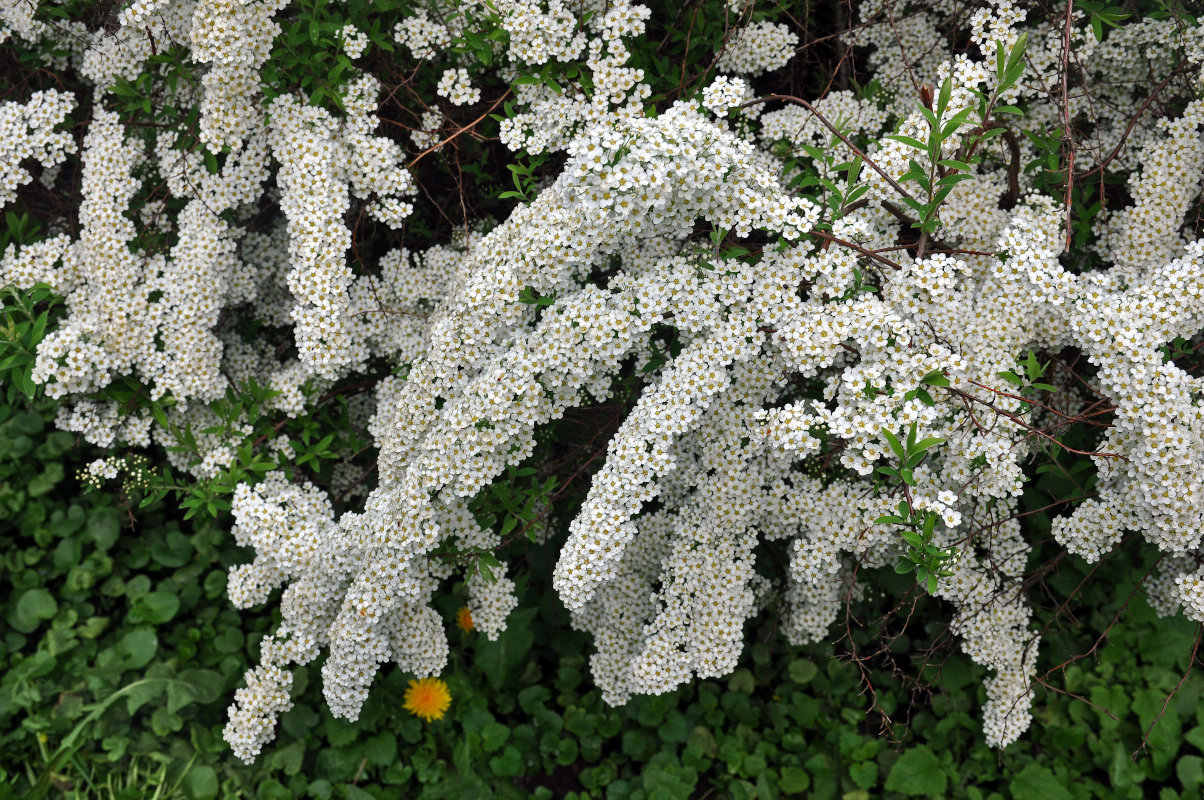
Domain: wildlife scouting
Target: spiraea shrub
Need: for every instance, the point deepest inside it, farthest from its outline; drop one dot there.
(741, 309)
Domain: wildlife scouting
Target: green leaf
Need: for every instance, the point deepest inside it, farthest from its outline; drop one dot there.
(794, 780)
(935, 378)
(934, 123)
(500, 659)
(46, 480)
(894, 443)
(33, 607)
(1190, 771)
(138, 647)
(381, 750)
(1036, 782)
(155, 607)
(229, 641)
(924, 444)
(864, 774)
(507, 765)
(802, 671)
(953, 163)
(918, 773)
(742, 682)
(942, 100)
(955, 122)
(949, 181)
(493, 736)
(1011, 378)
(909, 141)
(200, 783)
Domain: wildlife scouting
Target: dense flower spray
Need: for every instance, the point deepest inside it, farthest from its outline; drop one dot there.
(894, 263)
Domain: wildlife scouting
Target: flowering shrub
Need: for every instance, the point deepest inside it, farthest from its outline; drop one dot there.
(121, 650)
(814, 336)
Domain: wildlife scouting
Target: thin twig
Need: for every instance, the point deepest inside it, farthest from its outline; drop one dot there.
(839, 135)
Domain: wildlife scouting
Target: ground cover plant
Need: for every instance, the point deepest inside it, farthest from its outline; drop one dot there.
(525, 719)
(850, 348)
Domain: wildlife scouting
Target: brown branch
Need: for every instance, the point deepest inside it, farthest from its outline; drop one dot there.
(1030, 428)
(1124, 137)
(839, 135)
(1067, 131)
(1043, 407)
(863, 251)
(1190, 664)
(463, 129)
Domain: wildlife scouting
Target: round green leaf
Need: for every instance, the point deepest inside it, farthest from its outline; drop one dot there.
(917, 773)
(803, 671)
(34, 606)
(138, 647)
(156, 607)
(103, 528)
(173, 550)
(1039, 783)
(793, 780)
(200, 783)
(230, 640)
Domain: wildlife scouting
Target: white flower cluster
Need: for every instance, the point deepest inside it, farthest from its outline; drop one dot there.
(355, 41)
(235, 39)
(314, 197)
(315, 153)
(538, 36)
(853, 116)
(424, 37)
(723, 94)
(456, 87)
(27, 131)
(18, 18)
(758, 48)
(139, 12)
(428, 134)
(376, 163)
(34, 263)
(549, 120)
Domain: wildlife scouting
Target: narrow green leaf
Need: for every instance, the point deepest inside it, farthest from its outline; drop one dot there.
(942, 101)
(894, 443)
(935, 378)
(907, 140)
(924, 444)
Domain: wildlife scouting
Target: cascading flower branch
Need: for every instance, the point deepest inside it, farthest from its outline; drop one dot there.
(860, 282)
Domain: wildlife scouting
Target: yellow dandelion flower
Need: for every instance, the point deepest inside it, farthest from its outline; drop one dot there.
(427, 698)
(464, 619)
